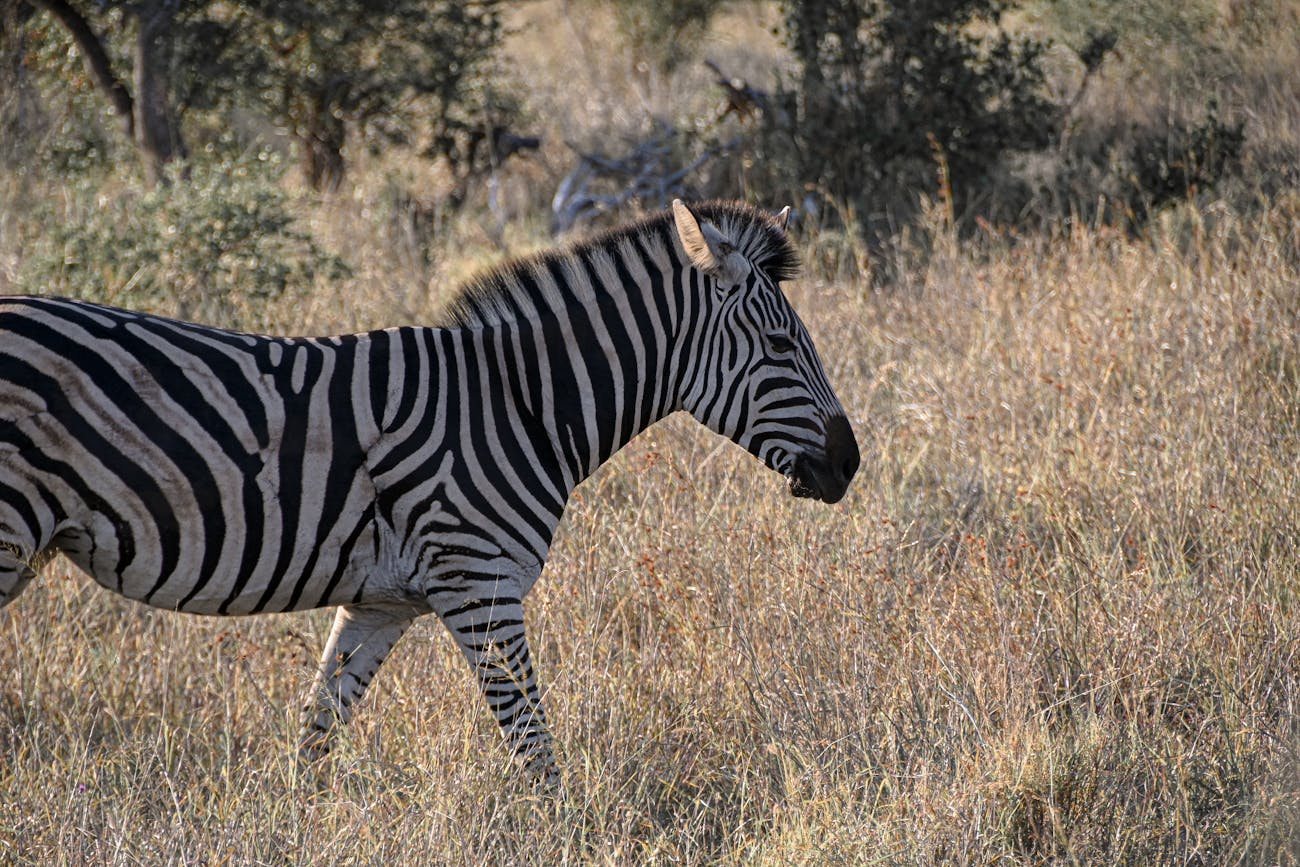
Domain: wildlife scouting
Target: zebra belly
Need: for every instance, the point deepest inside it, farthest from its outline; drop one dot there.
(283, 573)
(234, 542)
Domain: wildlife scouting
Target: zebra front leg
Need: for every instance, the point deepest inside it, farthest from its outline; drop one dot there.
(490, 632)
(358, 644)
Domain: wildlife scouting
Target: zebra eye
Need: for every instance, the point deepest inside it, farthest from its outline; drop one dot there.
(780, 343)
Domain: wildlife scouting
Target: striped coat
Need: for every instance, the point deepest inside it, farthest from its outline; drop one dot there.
(406, 471)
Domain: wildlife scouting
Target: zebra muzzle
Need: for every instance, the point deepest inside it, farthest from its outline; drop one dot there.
(826, 476)
(799, 488)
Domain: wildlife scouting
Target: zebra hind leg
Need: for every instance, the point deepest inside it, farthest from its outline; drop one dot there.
(358, 644)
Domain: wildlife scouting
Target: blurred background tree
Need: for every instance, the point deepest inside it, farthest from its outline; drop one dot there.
(129, 52)
(667, 32)
(890, 100)
(870, 116)
(404, 72)
(398, 70)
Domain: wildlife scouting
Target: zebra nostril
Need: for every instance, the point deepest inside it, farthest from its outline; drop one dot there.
(842, 449)
(850, 467)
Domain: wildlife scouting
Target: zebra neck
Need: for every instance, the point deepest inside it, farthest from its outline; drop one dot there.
(594, 379)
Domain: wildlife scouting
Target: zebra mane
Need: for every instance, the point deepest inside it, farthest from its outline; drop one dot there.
(492, 297)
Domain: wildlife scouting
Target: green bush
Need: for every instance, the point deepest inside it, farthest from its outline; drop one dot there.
(1184, 159)
(217, 243)
(892, 100)
(665, 32)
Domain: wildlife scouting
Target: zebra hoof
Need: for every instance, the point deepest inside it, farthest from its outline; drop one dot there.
(544, 775)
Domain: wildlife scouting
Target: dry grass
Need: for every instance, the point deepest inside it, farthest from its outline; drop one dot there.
(1054, 622)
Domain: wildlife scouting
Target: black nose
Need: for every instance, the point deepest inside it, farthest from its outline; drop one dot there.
(841, 451)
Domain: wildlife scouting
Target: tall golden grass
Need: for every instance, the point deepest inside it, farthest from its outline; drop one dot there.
(1055, 621)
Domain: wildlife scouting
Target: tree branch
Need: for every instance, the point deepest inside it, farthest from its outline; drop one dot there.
(95, 57)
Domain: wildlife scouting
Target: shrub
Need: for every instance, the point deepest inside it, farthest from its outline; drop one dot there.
(883, 89)
(216, 245)
(1186, 158)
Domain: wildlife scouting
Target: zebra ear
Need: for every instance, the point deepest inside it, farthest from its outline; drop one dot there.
(783, 218)
(708, 249)
(697, 247)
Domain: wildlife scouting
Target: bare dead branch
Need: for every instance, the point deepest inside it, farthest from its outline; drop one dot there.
(96, 59)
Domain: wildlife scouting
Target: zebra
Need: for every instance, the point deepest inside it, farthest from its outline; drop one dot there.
(406, 471)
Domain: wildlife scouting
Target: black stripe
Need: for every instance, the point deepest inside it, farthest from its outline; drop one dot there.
(122, 394)
(479, 604)
(378, 374)
(532, 446)
(254, 531)
(501, 391)
(482, 451)
(345, 557)
(345, 455)
(412, 386)
(41, 462)
(410, 355)
(26, 512)
(564, 386)
(624, 354)
(175, 382)
(637, 418)
(225, 370)
(290, 460)
(586, 336)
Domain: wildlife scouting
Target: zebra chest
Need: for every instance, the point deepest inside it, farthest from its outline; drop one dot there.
(443, 527)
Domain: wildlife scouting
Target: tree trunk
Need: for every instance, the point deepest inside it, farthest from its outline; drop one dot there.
(95, 58)
(157, 133)
(322, 148)
(147, 118)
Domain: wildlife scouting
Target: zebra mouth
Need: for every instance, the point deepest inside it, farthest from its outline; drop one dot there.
(821, 474)
(805, 478)
(821, 477)
(799, 488)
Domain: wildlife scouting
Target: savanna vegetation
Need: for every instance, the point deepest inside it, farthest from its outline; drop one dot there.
(1052, 261)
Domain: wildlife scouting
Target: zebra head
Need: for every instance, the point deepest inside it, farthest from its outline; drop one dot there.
(754, 375)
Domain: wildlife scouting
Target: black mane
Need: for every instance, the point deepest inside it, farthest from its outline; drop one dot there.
(491, 297)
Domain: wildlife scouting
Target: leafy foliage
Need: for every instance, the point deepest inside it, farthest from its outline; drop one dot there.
(664, 32)
(216, 247)
(400, 71)
(885, 88)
